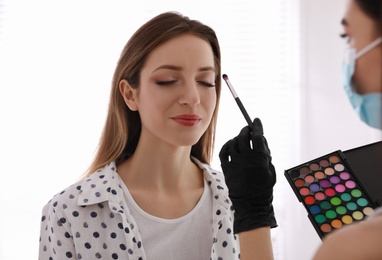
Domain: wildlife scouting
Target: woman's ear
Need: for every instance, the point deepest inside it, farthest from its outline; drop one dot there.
(128, 94)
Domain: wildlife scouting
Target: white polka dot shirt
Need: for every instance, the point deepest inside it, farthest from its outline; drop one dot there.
(87, 220)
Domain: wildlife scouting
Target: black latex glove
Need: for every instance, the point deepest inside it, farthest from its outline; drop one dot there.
(250, 177)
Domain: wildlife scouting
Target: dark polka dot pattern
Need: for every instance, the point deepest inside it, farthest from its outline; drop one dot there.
(87, 220)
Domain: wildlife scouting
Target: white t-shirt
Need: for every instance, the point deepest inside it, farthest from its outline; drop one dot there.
(188, 237)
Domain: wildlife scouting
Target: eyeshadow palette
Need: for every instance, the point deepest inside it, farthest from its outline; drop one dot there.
(330, 192)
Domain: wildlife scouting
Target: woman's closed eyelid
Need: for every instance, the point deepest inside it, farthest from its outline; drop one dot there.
(206, 83)
(165, 82)
(206, 80)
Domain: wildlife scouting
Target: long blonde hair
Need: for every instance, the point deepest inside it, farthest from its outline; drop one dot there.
(122, 128)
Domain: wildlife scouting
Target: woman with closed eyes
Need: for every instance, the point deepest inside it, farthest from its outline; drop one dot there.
(150, 192)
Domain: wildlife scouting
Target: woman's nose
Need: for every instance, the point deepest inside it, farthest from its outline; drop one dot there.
(190, 94)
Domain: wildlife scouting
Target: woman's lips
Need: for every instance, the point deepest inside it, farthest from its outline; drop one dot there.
(187, 119)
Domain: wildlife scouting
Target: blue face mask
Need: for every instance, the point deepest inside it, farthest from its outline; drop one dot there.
(368, 106)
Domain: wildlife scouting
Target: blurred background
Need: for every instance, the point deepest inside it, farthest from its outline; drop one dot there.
(56, 63)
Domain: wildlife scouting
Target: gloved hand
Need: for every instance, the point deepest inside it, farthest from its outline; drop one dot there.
(250, 177)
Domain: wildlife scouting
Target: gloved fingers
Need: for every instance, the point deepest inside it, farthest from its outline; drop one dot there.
(242, 141)
(229, 150)
(254, 132)
(236, 145)
(224, 153)
(266, 146)
(232, 150)
(273, 174)
(246, 130)
(257, 127)
(259, 142)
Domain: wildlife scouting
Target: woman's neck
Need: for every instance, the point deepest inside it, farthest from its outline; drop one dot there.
(162, 178)
(160, 167)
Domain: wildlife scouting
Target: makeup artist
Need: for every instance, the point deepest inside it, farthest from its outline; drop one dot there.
(362, 77)
(362, 74)
(150, 192)
(249, 172)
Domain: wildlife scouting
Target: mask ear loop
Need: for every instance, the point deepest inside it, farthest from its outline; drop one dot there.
(373, 44)
(349, 55)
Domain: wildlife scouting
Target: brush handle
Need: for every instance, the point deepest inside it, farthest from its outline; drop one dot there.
(244, 112)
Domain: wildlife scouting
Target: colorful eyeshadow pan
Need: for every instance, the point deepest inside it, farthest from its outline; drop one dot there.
(368, 211)
(344, 175)
(314, 167)
(309, 178)
(334, 179)
(339, 167)
(345, 197)
(329, 171)
(341, 210)
(330, 192)
(324, 163)
(336, 223)
(319, 175)
(304, 170)
(319, 196)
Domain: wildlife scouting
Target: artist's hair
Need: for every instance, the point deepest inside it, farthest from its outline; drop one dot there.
(122, 128)
(372, 8)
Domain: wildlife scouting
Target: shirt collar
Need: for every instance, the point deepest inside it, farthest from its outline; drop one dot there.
(216, 182)
(102, 185)
(105, 185)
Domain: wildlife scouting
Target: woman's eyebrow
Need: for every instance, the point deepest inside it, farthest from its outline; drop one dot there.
(168, 67)
(177, 68)
(207, 68)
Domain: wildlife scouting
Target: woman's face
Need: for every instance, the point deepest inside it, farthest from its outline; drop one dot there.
(177, 96)
(361, 31)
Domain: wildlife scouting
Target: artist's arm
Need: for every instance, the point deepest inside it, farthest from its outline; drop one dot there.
(250, 177)
(256, 244)
(358, 241)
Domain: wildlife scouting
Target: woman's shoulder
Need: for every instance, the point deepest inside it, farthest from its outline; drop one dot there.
(207, 167)
(65, 196)
(88, 190)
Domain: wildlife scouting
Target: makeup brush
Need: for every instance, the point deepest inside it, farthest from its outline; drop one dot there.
(243, 111)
